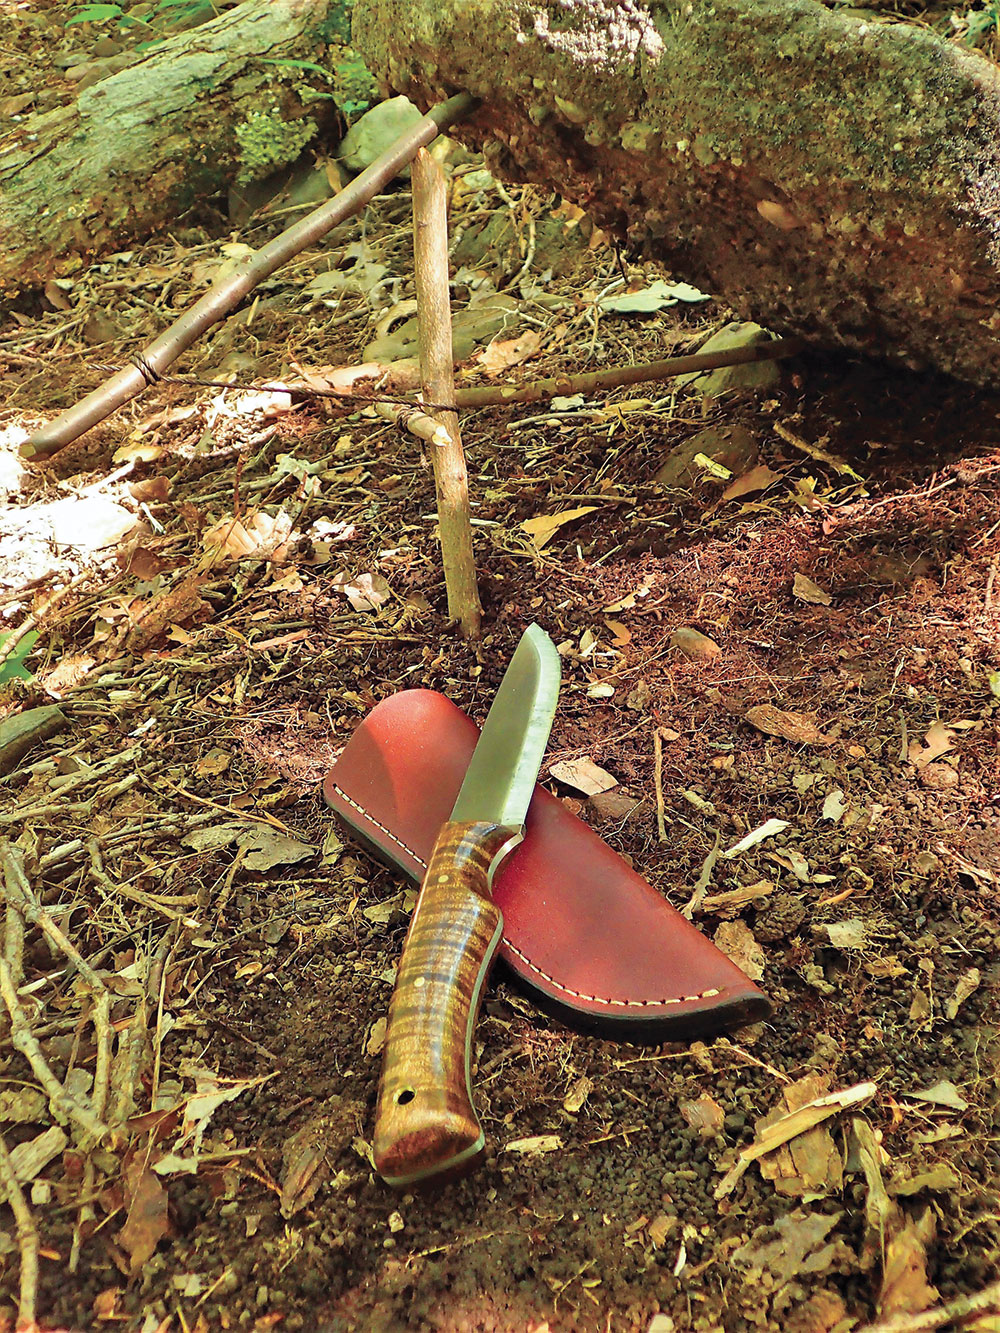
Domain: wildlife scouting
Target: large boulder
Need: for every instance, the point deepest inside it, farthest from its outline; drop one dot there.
(830, 173)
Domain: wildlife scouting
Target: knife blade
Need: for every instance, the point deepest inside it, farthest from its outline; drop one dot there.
(425, 1123)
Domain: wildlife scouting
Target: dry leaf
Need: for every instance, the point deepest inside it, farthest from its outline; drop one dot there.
(578, 1094)
(942, 1093)
(850, 934)
(583, 775)
(694, 644)
(500, 356)
(211, 1092)
(737, 942)
(627, 602)
(146, 1222)
(758, 835)
(256, 536)
(704, 1114)
(809, 1163)
(179, 605)
(365, 592)
(542, 529)
(834, 806)
(905, 1288)
(795, 1244)
(376, 1038)
(806, 591)
(967, 983)
(790, 1126)
(265, 847)
(212, 764)
(729, 903)
(796, 727)
(936, 743)
(757, 479)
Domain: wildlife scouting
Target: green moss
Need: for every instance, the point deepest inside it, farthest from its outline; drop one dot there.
(268, 142)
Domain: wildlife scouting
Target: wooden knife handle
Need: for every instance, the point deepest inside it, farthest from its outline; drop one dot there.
(425, 1123)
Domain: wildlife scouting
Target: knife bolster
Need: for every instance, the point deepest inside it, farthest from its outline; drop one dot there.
(426, 1124)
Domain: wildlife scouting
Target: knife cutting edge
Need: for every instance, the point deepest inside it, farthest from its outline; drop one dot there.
(426, 1124)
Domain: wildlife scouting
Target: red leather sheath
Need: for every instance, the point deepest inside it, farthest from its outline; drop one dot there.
(585, 935)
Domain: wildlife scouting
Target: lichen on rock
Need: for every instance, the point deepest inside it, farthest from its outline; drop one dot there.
(266, 142)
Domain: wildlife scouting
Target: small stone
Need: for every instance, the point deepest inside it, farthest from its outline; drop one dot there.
(377, 129)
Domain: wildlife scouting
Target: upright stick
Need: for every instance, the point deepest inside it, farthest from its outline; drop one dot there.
(451, 478)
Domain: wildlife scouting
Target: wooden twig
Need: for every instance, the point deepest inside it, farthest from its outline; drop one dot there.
(956, 1311)
(620, 376)
(661, 814)
(451, 479)
(416, 422)
(226, 295)
(34, 619)
(13, 940)
(65, 1106)
(18, 893)
(27, 1241)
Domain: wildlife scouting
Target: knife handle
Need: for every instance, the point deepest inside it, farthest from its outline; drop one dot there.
(425, 1123)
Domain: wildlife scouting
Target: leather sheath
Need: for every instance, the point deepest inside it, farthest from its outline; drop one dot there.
(585, 936)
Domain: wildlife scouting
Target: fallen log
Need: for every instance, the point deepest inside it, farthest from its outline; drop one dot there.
(830, 174)
(140, 147)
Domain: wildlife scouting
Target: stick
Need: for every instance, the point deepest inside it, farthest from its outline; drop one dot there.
(661, 814)
(451, 479)
(224, 296)
(65, 1106)
(961, 1308)
(591, 381)
(27, 1241)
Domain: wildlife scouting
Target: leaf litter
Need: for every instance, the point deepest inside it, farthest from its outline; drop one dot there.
(270, 977)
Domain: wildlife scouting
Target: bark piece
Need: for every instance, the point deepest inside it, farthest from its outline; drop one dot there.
(19, 733)
(826, 174)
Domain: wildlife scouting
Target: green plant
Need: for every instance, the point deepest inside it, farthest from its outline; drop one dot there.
(165, 13)
(13, 667)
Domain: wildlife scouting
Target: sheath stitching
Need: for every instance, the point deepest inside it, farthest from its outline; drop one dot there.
(567, 990)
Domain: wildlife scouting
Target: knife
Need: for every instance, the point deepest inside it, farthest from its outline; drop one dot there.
(425, 1122)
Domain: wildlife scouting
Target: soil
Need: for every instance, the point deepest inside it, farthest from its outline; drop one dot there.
(207, 692)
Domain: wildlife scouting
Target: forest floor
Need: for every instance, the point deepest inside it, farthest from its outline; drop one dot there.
(238, 575)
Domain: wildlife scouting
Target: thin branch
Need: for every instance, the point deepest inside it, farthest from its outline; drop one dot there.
(65, 1106)
(451, 478)
(27, 1241)
(592, 381)
(226, 295)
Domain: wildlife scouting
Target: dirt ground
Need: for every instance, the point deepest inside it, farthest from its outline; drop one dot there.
(198, 959)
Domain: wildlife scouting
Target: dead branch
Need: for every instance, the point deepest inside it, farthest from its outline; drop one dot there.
(27, 1240)
(451, 478)
(592, 381)
(64, 1105)
(220, 299)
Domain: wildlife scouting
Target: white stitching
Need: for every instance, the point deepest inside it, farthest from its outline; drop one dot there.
(567, 990)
